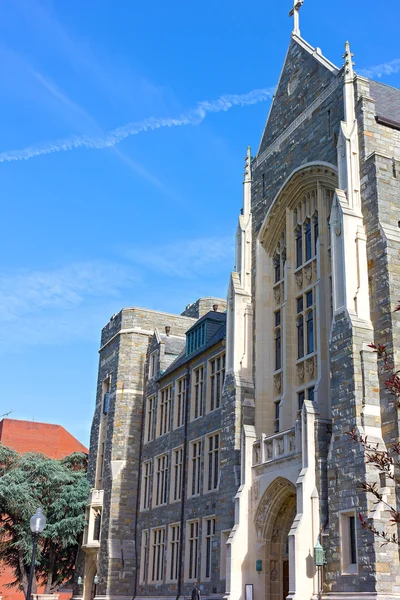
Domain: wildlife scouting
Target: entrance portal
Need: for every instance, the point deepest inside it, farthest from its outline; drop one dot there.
(274, 518)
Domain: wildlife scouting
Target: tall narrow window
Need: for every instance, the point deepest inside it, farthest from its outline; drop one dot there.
(308, 240)
(97, 526)
(153, 365)
(213, 460)
(180, 402)
(216, 381)
(197, 410)
(195, 468)
(300, 399)
(310, 329)
(146, 484)
(316, 233)
(276, 422)
(149, 426)
(176, 486)
(143, 556)
(299, 247)
(278, 345)
(300, 336)
(157, 551)
(165, 410)
(277, 268)
(209, 536)
(352, 539)
(161, 475)
(193, 544)
(174, 539)
(310, 394)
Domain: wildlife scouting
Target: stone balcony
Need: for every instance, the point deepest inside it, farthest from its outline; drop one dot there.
(276, 447)
(95, 498)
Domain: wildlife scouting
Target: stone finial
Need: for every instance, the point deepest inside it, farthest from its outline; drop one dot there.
(247, 165)
(215, 307)
(348, 63)
(167, 329)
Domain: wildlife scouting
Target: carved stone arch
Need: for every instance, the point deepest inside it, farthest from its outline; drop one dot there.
(301, 181)
(274, 496)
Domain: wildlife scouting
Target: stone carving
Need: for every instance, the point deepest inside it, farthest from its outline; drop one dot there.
(299, 278)
(274, 571)
(291, 443)
(269, 450)
(277, 294)
(256, 490)
(310, 366)
(275, 535)
(308, 272)
(300, 371)
(335, 220)
(281, 446)
(278, 382)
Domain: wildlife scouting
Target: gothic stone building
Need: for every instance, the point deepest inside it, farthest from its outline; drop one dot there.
(317, 279)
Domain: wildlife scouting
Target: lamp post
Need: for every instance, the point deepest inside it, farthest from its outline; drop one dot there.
(37, 524)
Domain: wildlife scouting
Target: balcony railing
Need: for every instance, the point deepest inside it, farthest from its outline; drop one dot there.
(276, 447)
(95, 498)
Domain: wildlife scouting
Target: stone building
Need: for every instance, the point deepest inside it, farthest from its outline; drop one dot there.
(316, 281)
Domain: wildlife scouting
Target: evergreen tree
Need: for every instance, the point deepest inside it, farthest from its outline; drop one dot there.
(60, 488)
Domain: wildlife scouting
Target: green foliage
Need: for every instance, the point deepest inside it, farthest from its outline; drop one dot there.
(60, 488)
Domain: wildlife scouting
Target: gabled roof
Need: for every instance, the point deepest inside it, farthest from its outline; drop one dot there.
(305, 75)
(184, 358)
(387, 103)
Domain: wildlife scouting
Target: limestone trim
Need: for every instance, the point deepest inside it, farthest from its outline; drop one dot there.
(302, 180)
(272, 498)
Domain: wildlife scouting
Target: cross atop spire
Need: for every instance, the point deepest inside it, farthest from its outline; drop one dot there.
(297, 4)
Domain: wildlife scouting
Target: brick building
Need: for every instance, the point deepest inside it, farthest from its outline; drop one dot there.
(30, 436)
(317, 279)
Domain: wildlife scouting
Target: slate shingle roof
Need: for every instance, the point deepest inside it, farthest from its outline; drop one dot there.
(387, 104)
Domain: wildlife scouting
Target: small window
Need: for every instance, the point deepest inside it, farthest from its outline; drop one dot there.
(300, 337)
(348, 543)
(301, 396)
(310, 332)
(153, 365)
(308, 240)
(276, 421)
(310, 394)
(277, 318)
(277, 269)
(299, 248)
(316, 234)
(278, 349)
(309, 299)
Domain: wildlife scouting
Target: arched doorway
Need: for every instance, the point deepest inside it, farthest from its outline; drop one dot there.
(89, 590)
(274, 519)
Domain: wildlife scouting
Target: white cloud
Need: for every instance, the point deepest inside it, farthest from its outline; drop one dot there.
(115, 136)
(188, 258)
(64, 288)
(390, 67)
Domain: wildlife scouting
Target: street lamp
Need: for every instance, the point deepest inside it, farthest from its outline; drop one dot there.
(37, 524)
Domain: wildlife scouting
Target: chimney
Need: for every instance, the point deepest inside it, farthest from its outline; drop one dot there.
(215, 307)
(167, 329)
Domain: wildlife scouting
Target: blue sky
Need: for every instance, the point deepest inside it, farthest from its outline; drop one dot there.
(123, 131)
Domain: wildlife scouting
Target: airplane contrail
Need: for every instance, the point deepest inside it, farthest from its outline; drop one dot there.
(115, 136)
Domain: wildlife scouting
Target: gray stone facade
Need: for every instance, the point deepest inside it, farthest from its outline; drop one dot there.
(317, 280)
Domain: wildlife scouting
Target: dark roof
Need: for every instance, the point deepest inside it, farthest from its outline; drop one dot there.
(173, 343)
(387, 103)
(210, 316)
(184, 358)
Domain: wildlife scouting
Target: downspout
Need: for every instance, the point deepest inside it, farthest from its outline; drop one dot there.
(185, 444)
